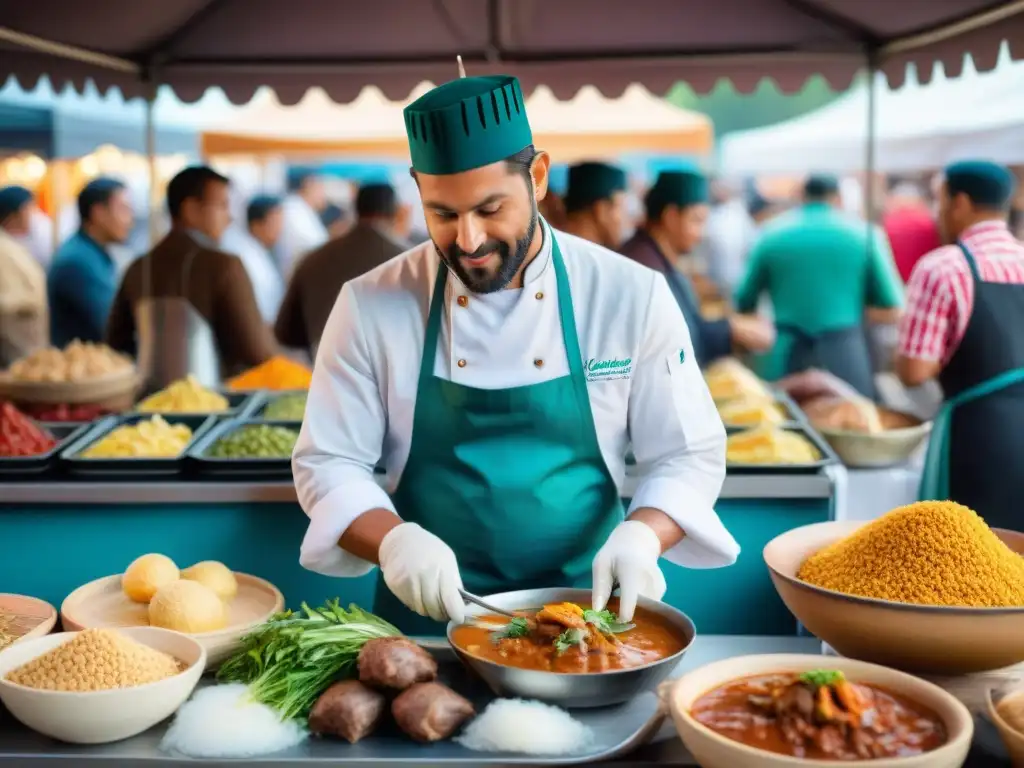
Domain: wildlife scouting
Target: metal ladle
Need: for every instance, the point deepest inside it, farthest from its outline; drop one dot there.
(471, 598)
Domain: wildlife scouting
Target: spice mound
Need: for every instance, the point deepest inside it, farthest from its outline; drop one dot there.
(928, 553)
(275, 373)
(96, 660)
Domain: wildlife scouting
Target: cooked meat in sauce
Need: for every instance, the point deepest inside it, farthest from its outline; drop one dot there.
(570, 638)
(430, 711)
(820, 716)
(395, 662)
(349, 710)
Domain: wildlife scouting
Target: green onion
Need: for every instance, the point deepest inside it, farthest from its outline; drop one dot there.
(569, 638)
(288, 661)
(822, 678)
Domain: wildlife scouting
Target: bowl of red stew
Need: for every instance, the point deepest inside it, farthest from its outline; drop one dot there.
(806, 711)
(559, 650)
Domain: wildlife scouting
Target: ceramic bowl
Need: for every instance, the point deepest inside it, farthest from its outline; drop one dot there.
(1013, 738)
(100, 717)
(712, 750)
(918, 638)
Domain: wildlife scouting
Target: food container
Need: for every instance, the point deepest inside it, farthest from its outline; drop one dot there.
(884, 449)
(115, 392)
(29, 467)
(239, 404)
(712, 750)
(827, 456)
(100, 717)
(1013, 739)
(574, 690)
(261, 402)
(240, 467)
(931, 639)
(130, 467)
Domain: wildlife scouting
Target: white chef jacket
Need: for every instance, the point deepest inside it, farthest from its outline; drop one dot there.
(302, 232)
(267, 283)
(649, 392)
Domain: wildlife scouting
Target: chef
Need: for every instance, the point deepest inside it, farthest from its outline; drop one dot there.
(499, 372)
(965, 311)
(595, 203)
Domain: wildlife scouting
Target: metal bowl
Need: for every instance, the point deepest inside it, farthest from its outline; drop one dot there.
(882, 449)
(568, 690)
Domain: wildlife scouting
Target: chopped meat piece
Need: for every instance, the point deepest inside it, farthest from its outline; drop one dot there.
(566, 614)
(395, 662)
(430, 711)
(347, 709)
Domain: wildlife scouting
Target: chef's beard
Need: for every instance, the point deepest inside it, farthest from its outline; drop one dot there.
(482, 280)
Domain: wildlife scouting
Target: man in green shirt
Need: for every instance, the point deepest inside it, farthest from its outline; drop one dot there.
(822, 270)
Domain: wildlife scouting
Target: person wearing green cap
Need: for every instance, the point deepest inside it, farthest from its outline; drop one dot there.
(965, 311)
(499, 372)
(595, 203)
(822, 270)
(677, 207)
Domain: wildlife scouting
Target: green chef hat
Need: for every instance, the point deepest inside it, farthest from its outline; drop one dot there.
(679, 188)
(467, 123)
(592, 182)
(988, 185)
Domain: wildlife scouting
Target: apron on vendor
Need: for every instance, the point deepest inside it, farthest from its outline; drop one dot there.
(964, 315)
(499, 372)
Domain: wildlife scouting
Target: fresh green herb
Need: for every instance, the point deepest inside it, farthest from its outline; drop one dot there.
(821, 678)
(288, 661)
(569, 638)
(606, 622)
(517, 627)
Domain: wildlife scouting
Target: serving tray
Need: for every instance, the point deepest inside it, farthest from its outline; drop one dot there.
(15, 467)
(241, 468)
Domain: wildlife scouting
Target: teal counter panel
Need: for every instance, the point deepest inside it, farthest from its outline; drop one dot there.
(49, 550)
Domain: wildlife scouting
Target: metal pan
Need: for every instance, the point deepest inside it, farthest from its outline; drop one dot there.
(131, 468)
(240, 404)
(583, 691)
(11, 467)
(265, 399)
(828, 456)
(242, 467)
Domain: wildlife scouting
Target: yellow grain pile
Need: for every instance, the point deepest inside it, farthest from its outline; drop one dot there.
(928, 553)
(96, 660)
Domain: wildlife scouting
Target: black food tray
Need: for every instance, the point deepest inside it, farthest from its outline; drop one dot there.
(241, 468)
(828, 456)
(11, 466)
(266, 398)
(240, 404)
(132, 467)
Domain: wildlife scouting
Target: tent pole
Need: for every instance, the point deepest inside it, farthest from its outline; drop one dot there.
(151, 161)
(871, 159)
(62, 51)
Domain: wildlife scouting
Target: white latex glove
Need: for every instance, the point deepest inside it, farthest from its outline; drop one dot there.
(630, 559)
(421, 571)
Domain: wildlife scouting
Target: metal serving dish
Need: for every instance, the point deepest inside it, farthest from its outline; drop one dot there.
(262, 401)
(582, 690)
(884, 449)
(824, 449)
(240, 404)
(11, 467)
(240, 468)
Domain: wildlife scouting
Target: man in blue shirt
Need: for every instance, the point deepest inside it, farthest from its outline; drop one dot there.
(82, 281)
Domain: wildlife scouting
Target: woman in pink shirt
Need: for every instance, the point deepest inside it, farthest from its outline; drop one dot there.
(911, 228)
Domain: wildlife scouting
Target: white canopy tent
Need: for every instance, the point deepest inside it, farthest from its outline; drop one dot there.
(916, 128)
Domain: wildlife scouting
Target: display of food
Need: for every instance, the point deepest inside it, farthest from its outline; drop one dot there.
(184, 396)
(276, 373)
(77, 362)
(152, 438)
(255, 441)
(527, 727)
(855, 415)
(20, 436)
(64, 412)
(291, 659)
(729, 379)
(927, 553)
(569, 638)
(286, 408)
(819, 715)
(751, 412)
(192, 601)
(96, 660)
(770, 445)
(424, 709)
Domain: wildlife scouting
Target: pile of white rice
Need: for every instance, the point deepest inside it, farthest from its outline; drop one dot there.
(527, 727)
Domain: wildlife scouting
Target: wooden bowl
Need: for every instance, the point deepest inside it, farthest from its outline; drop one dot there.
(32, 617)
(919, 638)
(101, 603)
(713, 750)
(1013, 739)
(101, 717)
(118, 388)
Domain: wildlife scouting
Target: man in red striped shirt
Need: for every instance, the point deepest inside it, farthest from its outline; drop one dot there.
(965, 312)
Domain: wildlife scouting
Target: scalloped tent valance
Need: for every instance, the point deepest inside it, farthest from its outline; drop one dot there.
(292, 45)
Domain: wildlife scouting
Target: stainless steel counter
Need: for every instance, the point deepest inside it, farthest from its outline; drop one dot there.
(816, 486)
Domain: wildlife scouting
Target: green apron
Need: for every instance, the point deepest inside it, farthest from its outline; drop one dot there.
(513, 480)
